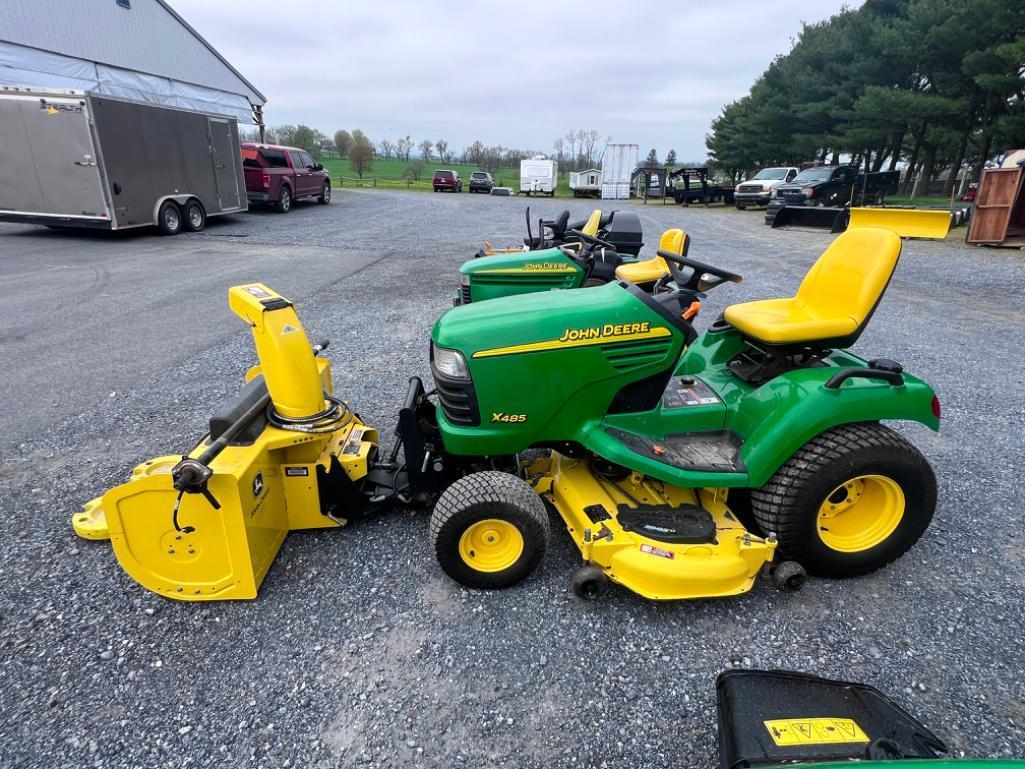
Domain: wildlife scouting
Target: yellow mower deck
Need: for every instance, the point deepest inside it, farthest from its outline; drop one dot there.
(652, 568)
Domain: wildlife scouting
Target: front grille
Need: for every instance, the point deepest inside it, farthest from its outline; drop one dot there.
(750, 188)
(464, 294)
(458, 400)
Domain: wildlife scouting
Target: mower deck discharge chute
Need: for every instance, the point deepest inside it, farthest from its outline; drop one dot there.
(681, 464)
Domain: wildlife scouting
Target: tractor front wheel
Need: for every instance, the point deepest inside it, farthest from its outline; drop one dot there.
(848, 502)
(489, 530)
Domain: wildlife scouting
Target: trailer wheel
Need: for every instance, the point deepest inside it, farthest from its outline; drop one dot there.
(195, 216)
(850, 501)
(169, 218)
(489, 530)
(325, 194)
(284, 202)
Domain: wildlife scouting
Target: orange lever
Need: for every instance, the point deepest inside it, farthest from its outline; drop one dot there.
(692, 311)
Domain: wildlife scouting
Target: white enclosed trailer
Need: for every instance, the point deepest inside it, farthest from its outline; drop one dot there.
(617, 165)
(539, 175)
(74, 159)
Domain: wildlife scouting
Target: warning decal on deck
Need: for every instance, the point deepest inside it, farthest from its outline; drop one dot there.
(814, 731)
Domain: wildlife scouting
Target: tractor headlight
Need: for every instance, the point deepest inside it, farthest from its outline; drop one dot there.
(464, 279)
(450, 363)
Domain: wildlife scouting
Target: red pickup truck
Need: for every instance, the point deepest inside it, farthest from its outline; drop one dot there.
(280, 175)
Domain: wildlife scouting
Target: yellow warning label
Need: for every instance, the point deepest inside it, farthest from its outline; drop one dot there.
(814, 731)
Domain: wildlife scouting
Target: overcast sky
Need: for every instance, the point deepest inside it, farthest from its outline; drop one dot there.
(520, 74)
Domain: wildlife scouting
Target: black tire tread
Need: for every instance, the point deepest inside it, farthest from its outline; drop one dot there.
(486, 490)
(773, 505)
(488, 486)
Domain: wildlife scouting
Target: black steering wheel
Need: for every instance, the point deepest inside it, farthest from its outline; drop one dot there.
(698, 280)
(590, 239)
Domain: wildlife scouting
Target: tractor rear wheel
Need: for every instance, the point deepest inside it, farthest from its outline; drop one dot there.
(489, 530)
(848, 502)
(591, 282)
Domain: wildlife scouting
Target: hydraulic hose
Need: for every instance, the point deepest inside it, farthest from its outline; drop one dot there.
(334, 417)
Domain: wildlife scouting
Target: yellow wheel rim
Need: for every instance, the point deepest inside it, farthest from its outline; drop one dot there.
(860, 513)
(491, 545)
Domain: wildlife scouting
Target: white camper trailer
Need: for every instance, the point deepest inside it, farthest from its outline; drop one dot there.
(617, 165)
(539, 175)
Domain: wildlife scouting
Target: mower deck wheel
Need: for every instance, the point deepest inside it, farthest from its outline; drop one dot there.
(489, 530)
(589, 583)
(789, 576)
(850, 501)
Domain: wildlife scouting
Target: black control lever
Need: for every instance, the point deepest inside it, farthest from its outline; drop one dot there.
(190, 476)
(320, 346)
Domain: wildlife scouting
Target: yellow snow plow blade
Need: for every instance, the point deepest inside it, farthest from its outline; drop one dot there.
(906, 222)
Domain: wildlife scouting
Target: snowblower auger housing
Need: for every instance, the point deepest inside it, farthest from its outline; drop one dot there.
(283, 454)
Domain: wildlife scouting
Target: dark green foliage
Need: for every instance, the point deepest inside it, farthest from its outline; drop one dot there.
(934, 84)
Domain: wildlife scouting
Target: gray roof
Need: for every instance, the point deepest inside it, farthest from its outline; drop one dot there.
(149, 37)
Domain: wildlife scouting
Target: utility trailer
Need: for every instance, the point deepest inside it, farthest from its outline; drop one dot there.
(69, 158)
(692, 185)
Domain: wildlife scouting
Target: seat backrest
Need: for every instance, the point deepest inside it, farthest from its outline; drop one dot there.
(851, 276)
(676, 241)
(593, 222)
(673, 240)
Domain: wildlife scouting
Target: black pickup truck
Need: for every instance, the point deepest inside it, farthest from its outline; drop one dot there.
(838, 185)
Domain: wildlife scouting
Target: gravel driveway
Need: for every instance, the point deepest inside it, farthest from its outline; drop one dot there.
(359, 652)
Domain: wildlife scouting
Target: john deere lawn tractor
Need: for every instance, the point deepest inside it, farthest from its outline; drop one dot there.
(622, 229)
(590, 262)
(682, 465)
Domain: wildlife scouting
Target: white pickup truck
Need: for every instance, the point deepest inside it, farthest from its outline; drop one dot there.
(759, 189)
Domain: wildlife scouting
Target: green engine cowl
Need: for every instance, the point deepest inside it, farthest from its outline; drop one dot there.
(549, 367)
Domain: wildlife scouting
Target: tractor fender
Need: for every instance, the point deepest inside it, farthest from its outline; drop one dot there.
(796, 410)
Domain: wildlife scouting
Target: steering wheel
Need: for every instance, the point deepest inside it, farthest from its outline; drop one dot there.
(591, 240)
(698, 279)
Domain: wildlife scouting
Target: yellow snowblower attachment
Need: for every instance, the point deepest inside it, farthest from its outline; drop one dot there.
(284, 454)
(906, 222)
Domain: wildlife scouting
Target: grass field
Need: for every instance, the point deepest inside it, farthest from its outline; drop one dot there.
(388, 173)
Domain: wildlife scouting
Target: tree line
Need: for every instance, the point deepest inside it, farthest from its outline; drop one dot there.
(930, 85)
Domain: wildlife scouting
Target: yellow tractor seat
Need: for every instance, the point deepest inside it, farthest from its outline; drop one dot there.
(835, 300)
(593, 223)
(651, 270)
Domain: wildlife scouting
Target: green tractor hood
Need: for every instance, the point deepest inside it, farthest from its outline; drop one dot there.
(520, 272)
(546, 367)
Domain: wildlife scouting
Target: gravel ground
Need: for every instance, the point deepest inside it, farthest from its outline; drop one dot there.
(359, 652)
